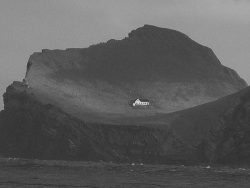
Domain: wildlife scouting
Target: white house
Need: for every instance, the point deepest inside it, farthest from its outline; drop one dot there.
(140, 102)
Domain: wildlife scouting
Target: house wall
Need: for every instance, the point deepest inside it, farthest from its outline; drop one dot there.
(140, 103)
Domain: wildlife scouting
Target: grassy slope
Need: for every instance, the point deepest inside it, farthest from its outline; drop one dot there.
(97, 83)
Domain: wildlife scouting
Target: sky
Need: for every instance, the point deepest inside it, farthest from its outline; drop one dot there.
(28, 26)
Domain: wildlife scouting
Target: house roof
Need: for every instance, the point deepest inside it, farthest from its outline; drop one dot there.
(142, 100)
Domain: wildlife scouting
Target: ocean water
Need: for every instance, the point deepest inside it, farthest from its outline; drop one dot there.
(41, 173)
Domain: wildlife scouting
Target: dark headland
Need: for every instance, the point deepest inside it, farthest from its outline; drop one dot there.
(74, 104)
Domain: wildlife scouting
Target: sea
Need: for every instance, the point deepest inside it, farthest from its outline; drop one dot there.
(16, 172)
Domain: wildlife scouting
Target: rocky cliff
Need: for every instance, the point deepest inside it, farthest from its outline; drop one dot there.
(74, 104)
(216, 132)
(162, 65)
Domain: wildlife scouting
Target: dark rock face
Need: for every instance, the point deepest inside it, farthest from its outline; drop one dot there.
(162, 65)
(74, 104)
(30, 129)
(234, 145)
(46, 132)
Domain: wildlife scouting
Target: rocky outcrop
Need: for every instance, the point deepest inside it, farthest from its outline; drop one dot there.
(74, 104)
(30, 129)
(234, 144)
(162, 65)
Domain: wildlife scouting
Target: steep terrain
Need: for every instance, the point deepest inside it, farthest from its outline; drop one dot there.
(74, 104)
(162, 65)
(216, 132)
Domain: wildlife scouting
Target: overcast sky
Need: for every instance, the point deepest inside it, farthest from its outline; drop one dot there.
(27, 26)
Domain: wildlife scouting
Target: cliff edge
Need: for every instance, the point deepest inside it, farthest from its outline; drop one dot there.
(214, 133)
(161, 65)
(74, 104)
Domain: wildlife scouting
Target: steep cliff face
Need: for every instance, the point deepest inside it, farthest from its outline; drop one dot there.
(162, 65)
(74, 104)
(32, 130)
(217, 132)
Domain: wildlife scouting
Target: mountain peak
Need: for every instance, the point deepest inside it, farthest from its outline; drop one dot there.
(150, 31)
(158, 64)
